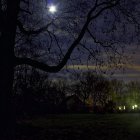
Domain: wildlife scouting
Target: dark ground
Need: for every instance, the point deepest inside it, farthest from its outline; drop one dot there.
(81, 127)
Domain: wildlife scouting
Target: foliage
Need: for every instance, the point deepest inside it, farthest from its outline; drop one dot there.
(40, 95)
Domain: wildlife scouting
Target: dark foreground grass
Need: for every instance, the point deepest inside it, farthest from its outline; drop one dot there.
(81, 127)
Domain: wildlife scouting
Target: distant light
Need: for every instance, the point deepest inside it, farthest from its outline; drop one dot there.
(136, 106)
(124, 107)
(52, 9)
(120, 108)
(133, 107)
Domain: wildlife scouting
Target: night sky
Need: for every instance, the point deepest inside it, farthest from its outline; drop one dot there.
(67, 22)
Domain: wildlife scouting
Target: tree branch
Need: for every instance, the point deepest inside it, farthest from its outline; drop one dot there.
(26, 11)
(32, 32)
(99, 42)
(47, 68)
(109, 6)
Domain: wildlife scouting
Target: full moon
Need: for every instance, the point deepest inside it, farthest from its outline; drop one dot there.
(52, 9)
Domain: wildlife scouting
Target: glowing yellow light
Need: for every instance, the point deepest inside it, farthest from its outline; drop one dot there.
(52, 9)
(120, 108)
(124, 107)
(133, 107)
(136, 106)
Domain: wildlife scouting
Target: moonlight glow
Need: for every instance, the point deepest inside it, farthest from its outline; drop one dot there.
(52, 9)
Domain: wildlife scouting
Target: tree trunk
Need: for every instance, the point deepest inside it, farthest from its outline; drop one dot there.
(7, 118)
(7, 42)
(6, 84)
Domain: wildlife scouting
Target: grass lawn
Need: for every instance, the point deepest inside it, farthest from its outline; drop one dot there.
(81, 127)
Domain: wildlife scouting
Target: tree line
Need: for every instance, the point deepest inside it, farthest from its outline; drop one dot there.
(35, 93)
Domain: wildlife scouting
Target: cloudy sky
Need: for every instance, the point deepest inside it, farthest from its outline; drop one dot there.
(111, 26)
(130, 70)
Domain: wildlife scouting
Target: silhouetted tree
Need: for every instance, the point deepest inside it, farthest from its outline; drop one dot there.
(84, 86)
(93, 86)
(36, 94)
(56, 96)
(30, 91)
(100, 91)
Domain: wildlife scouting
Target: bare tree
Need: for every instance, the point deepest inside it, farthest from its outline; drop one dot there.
(93, 87)
(101, 92)
(78, 19)
(84, 86)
